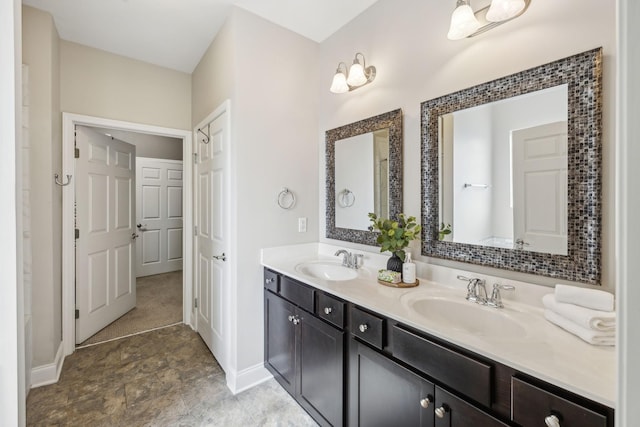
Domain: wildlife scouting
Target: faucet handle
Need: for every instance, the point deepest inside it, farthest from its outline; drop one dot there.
(496, 298)
(358, 260)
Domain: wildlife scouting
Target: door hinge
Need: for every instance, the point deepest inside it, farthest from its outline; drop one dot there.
(195, 230)
(195, 158)
(195, 303)
(77, 233)
(76, 153)
(77, 313)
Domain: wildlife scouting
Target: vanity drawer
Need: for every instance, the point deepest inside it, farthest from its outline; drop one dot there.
(460, 372)
(331, 309)
(530, 405)
(271, 280)
(298, 293)
(367, 327)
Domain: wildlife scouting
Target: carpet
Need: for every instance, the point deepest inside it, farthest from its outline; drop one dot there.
(158, 303)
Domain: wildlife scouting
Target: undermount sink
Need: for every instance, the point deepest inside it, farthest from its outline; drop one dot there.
(326, 270)
(469, 317)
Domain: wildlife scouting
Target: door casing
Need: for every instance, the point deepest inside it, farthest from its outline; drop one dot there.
(69, 121)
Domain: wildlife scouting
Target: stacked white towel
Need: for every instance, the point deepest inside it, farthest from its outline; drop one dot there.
(586, 313)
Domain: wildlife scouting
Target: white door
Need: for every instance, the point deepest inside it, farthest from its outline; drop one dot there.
(212, 237)
(540, 188)
(105, 267)
(159, 216)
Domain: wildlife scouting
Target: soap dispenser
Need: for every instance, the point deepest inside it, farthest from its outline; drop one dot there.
(408, 270)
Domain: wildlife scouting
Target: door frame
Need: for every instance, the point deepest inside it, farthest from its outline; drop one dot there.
(69, 122)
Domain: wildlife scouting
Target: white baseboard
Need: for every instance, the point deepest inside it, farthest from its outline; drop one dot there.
(239, 381)
(50, 373)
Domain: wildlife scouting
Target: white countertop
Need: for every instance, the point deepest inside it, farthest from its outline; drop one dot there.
(543, 350)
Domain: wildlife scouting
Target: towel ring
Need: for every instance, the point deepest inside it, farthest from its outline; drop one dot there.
(285, 195)
(60, 183)
(346, 198)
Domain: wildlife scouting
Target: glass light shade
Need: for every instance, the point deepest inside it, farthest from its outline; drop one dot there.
(463, 23)
(501, 10)
(356, 75)
(339, 84)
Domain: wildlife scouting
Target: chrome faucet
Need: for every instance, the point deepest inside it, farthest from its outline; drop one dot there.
(476, 289)
(350, 260)
(496, 299)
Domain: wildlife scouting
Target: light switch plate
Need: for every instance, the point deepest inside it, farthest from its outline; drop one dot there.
(302, 225)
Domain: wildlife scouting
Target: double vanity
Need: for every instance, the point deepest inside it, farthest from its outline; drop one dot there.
(353, 352)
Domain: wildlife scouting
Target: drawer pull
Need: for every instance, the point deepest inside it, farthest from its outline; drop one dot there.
(363, 327)
(426, 401)
(552, 421)
(328, 310)
(441, 411)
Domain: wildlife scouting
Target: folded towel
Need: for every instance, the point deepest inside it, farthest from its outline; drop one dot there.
(588, 335)
(585, 317)
(590, 298)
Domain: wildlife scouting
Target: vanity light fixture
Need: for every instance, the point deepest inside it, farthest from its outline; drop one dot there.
(467, 23)
(357, 76)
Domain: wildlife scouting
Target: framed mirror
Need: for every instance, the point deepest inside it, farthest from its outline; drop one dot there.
(364, 174)
(512, 169)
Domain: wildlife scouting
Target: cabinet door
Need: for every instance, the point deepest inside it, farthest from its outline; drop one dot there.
(280, 338)
(321, 362)
(452, 411)
(385, 394)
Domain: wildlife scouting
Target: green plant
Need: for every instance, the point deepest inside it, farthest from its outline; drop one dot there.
(444, 230)
(395, 235)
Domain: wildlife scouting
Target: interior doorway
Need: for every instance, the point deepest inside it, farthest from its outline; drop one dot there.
(70, 122)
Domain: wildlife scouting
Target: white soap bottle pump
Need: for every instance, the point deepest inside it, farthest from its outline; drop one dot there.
(408, 270)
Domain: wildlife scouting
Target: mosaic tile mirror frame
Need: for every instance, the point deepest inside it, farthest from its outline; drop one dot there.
(392, 121)
(583, 75)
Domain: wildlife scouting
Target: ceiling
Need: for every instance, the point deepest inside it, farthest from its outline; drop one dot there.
(176, 33)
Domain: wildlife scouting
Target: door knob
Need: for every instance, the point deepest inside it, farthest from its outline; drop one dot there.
(141, 226)
(222, 257)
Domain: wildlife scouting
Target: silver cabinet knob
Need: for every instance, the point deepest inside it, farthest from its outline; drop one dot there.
(269, 280)
(425, 402)
(552, 421)
(328, 310)
(363, 327)
(441, 411)
(296, 320)
(291, 318)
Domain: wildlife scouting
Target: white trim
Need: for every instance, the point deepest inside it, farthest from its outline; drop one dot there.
(239, 381)
(627, 236)
(49, 373)
(160, 159)
(229, 318)
(69, 121)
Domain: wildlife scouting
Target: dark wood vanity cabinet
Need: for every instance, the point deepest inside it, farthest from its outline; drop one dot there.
(305, 354)
(348, 365)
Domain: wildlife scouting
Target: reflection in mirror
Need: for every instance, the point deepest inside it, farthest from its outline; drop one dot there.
(362, 178)
(503, 172)
(363, 175)
(525, 177)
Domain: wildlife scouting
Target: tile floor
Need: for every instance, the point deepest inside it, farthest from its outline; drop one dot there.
(165, 377)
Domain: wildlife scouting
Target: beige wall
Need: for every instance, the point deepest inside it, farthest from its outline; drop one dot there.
(269, 75)
(416, 62)
(40, 53)
(97, 83)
